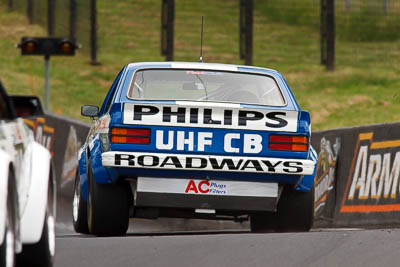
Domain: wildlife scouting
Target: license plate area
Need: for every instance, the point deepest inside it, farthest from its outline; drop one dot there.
(207, 187)
(206, 194)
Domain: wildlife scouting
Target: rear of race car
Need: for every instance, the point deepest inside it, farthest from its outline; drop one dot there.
(214, 151)
(205, 158)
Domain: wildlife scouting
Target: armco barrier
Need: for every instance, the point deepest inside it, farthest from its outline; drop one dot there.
(365, 189)
(63, 137)
(357, 181)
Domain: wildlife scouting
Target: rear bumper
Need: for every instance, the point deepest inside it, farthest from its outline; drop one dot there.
(205, 194)
(208, 163)
(165, 200)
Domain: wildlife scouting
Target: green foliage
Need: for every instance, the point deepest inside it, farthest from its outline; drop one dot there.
(294, 12)
(368, 24)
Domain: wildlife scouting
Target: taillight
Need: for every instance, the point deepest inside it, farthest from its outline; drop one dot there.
(130, 135)
(288, 142)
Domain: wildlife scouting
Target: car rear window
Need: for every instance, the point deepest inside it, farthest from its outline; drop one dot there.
(205, 85)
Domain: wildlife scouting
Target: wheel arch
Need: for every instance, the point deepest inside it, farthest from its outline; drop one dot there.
(307, 182)
(100, 173)
(83, 155)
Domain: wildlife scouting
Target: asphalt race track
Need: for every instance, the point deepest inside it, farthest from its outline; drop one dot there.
(330, 247)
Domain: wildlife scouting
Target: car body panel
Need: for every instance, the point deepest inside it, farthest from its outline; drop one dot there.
(82, 169)
(30, 163)
(5, 161)
(32, 218)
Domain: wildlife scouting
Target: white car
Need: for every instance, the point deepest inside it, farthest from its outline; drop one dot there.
(27, 188)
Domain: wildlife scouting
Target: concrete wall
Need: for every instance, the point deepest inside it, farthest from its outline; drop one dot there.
(364, 185)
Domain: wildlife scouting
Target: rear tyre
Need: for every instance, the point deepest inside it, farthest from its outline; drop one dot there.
(296, 210)
(108, 207)
(79, 208)
(295, 213)
(7, 248)
(42, 253)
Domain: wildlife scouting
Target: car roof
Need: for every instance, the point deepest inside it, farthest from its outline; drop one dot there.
(200, 65)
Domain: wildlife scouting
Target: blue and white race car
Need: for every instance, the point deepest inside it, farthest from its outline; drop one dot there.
(196, 140)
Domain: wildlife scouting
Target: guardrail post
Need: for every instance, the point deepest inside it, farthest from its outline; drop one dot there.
(50, 17)
(246, 31)
(347, 5)
(29, 11)
(47, 82)
(385, 7)
(327, 32)
(72, 19)
(167, 29)
(323, 31)
(93, 33)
